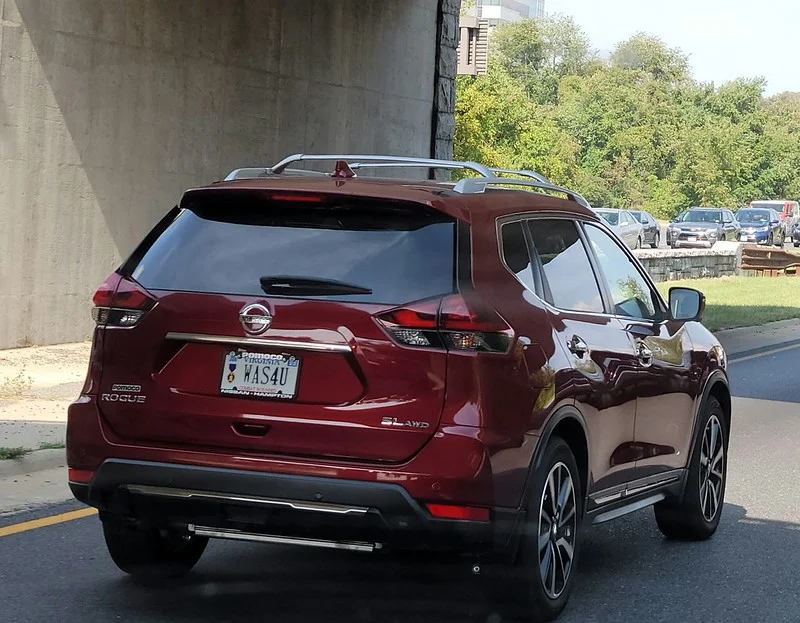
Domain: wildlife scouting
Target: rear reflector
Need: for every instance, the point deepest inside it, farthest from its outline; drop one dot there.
(80, 476)
(461, 513)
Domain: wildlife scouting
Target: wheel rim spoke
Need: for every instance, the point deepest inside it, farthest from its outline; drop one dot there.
(556, 533)
(544, 565)
(712, 465)
(566, 547)
(566, 517)
(564, 492)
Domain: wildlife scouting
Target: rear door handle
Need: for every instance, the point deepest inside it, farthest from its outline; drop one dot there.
(577, 346)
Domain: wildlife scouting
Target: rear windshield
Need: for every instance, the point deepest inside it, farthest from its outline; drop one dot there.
(224, 246)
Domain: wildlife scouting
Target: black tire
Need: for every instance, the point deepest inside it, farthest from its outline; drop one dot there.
(519, 589)
(656, 241)
(692, 518)
(722, 238)
(796, 244)
(151, 554)
(638, 243)
(770, 240)
(779, 241)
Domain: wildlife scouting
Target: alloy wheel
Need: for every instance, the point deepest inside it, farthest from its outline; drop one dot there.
(557, 530)
(712, 468)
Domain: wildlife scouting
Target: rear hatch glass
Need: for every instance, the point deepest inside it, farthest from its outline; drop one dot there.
(322, 267)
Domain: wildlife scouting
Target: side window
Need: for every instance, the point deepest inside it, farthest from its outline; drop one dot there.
(568, 274)
(630, 293)
(515, 253)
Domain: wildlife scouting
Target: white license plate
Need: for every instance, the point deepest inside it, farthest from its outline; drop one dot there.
(692, 239)
(260, 374)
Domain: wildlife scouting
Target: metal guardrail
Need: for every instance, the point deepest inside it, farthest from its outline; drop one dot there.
(769, 262)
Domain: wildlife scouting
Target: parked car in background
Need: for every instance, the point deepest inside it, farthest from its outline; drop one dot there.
(651, 231)
(370, 364)
(761, 225)
(703, 227)
(788, 212)
(796, 236)
(624, 225)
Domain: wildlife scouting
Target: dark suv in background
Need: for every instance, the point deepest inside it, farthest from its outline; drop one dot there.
(703, 227)
(371, 364)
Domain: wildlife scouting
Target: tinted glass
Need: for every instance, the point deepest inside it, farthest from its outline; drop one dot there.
(639, 217)
(702, 216)
(566, 266)
(630, 293)
(225, 246)
(515, 253)
(612, 218)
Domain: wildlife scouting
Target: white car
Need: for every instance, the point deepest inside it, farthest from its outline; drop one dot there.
(624, 225)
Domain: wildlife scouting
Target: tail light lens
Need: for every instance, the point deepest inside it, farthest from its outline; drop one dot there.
(120, 303)
(455, 323)
(459, 513)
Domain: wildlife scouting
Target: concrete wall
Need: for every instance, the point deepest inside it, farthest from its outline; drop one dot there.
(723, 260)
(110, 108)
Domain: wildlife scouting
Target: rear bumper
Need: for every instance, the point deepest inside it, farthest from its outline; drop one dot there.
(298, 507)
(254, 492)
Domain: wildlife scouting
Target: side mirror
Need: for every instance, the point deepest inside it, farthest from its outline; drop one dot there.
(686, 304)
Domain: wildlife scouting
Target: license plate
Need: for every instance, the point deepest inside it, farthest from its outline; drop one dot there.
(692, 239)
(260, 374)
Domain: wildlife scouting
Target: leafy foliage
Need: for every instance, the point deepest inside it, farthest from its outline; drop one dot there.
(633, 131)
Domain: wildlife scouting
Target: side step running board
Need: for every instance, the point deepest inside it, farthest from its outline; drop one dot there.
(629, 508)
(237, 535)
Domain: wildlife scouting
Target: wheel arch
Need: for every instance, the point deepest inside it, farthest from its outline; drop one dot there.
(569, 424)
(716, 385)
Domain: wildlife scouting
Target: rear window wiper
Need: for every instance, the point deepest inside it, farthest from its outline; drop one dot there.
(289, 285)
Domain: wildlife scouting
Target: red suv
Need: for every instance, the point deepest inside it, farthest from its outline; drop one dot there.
(366, 364)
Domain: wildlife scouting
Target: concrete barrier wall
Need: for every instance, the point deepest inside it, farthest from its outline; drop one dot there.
(110, 108)
(723, 260)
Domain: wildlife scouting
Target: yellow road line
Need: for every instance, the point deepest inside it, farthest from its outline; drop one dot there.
(764, 354)
(46, 521)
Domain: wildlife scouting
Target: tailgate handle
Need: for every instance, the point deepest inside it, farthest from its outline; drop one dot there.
(250, 430)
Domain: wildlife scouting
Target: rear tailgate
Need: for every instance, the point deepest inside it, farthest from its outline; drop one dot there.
(324, 379)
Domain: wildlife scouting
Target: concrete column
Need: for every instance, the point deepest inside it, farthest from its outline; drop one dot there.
(109, 109)
(445, 92)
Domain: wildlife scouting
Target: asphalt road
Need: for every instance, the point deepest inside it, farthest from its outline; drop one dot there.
(628, 572)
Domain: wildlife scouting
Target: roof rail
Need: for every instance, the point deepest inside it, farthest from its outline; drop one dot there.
(387, 161)
(253, 172)
(472, 185)
(523, 173)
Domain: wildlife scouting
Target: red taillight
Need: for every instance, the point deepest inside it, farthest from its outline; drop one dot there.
(453, 322)
(105, 293)
(120, 303)
(80, 476)
(461, 513)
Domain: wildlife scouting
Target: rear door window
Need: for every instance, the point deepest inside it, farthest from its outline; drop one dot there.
(515, 253)
(226, 245)
(570, 279)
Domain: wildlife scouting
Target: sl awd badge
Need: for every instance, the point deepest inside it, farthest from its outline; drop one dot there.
(394, 422)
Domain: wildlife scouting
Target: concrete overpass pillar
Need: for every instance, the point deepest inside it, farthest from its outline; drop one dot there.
(110, 108)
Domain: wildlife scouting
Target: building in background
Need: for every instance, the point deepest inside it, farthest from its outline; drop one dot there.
(476, 29)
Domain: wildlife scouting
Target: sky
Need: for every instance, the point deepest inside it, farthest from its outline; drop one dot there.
(723, 39)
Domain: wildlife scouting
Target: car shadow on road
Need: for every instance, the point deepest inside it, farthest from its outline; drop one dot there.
(628, 571)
